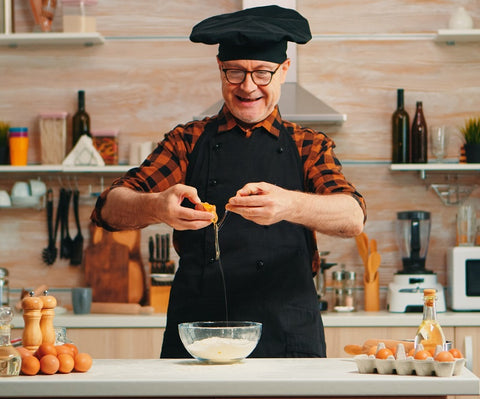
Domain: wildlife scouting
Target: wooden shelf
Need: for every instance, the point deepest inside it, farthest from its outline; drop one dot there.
(51, 38)
(452, 36)
(65, 169)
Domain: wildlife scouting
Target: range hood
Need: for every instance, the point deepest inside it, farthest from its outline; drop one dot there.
(296, 104)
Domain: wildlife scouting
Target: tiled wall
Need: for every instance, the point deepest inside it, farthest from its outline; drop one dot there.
(148, 77)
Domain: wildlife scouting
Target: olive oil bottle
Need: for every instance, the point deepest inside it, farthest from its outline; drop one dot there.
(429, 333)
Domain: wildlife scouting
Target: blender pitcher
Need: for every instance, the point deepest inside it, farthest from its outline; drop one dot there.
(413, 233)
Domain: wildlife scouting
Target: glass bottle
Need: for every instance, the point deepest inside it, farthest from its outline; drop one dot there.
(10, 360)
(429, 333)
(418, 136)
(400, 132)
(4, 287)
(81, 120)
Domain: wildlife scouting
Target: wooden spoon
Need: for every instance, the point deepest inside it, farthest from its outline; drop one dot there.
(362, 246)
(374, 260)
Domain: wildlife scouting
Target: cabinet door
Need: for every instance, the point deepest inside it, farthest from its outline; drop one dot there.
(338, 337)
(467, 339)
(118, 343)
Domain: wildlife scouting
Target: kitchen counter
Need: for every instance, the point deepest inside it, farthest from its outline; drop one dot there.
(330, 319)
(250, 378)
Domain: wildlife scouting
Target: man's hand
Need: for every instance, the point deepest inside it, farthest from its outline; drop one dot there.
(262, 203)
(129, 209)
(266, 204)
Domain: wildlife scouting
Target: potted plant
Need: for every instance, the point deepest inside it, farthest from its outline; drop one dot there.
(471, 134)
(4, 127)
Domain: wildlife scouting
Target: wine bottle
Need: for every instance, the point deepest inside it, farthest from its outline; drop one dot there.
(81, 120)
(429, 333)
(400, 132)
(418, 136)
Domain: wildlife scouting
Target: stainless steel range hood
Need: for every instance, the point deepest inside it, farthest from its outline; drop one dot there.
(296, 103)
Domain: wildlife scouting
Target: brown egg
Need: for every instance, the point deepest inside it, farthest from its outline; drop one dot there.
(24, 352)
(384, 353)
(422, 355)
(456, 353)
(64, 349)
(66, 363)
(83, 362)
(46, 349)
(444, 356)
(49, 364)
(30, 365)
(73, 347)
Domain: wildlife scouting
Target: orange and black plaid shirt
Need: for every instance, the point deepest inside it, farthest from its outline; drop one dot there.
(168, 163)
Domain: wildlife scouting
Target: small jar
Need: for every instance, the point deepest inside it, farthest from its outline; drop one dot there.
(18, 145)
(53, 137)
(106, 143)
(337, 279)
(4, 288)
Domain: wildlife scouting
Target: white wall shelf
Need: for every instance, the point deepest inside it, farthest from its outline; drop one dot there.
(451, 193)
(50, 38)
(452, 36)
(65, 169)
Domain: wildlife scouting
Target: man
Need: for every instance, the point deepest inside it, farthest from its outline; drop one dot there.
(280, 183)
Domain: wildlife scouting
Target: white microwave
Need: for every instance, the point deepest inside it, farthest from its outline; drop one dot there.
(463, 274)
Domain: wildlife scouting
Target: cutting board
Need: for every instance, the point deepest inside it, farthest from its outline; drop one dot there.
(113, 266)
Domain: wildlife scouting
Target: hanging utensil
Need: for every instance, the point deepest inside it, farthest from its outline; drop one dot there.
(66, 240)
(76, 254)
(49, 253)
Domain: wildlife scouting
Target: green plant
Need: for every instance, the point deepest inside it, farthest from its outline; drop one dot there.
(4, 126)
(471, 131)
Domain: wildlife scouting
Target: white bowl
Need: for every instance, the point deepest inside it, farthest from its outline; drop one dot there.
(220, 341)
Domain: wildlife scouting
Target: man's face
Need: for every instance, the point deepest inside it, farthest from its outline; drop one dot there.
(247, 101)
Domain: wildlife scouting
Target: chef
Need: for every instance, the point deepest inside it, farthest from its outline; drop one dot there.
(279, 181)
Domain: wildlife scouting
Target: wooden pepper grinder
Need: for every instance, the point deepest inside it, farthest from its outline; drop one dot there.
(46, 322)
(32, 313)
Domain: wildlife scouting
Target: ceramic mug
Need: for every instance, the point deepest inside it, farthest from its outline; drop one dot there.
(21, 189)
(81, 300)
(38, 188)
(4, 199)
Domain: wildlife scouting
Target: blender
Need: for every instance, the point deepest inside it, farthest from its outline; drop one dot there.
(405, 292)
(320, 280)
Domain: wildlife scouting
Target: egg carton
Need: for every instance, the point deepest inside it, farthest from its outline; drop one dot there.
(429, 367)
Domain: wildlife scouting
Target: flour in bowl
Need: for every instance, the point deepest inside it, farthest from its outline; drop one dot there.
(217, 349)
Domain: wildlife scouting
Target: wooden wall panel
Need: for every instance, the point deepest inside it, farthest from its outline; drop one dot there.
(148, 77)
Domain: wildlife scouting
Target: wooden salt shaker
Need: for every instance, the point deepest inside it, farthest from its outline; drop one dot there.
(46, 322)
(32, 313)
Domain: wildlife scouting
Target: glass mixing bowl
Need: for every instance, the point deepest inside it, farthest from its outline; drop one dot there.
(220, 341)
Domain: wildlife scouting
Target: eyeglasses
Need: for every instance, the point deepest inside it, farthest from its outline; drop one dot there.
(260, 77)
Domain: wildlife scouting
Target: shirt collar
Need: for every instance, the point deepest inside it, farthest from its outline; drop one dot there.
(226, 122)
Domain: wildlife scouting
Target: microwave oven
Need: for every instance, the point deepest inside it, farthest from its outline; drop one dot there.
(463, 275)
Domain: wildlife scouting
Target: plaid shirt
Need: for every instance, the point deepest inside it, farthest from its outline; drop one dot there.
(168, 163)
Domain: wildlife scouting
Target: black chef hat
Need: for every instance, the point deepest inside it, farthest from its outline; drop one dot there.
(259, 33)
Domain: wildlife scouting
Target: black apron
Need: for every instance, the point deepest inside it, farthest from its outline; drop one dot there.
(267, 269)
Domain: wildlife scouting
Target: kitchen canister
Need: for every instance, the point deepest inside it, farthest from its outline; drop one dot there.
(53, 137)
(18, 145)
(4, 287)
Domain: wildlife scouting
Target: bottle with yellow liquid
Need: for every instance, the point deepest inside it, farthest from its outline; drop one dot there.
(429, 333)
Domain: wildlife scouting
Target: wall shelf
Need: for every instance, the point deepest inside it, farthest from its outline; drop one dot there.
(65, 169)
(452, 36)
(451, 193)
(51, 38)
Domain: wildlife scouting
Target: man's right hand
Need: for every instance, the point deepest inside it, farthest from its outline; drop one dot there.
(129, 209)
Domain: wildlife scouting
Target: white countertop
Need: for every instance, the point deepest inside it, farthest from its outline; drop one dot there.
(252, 377)
(330, 319)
